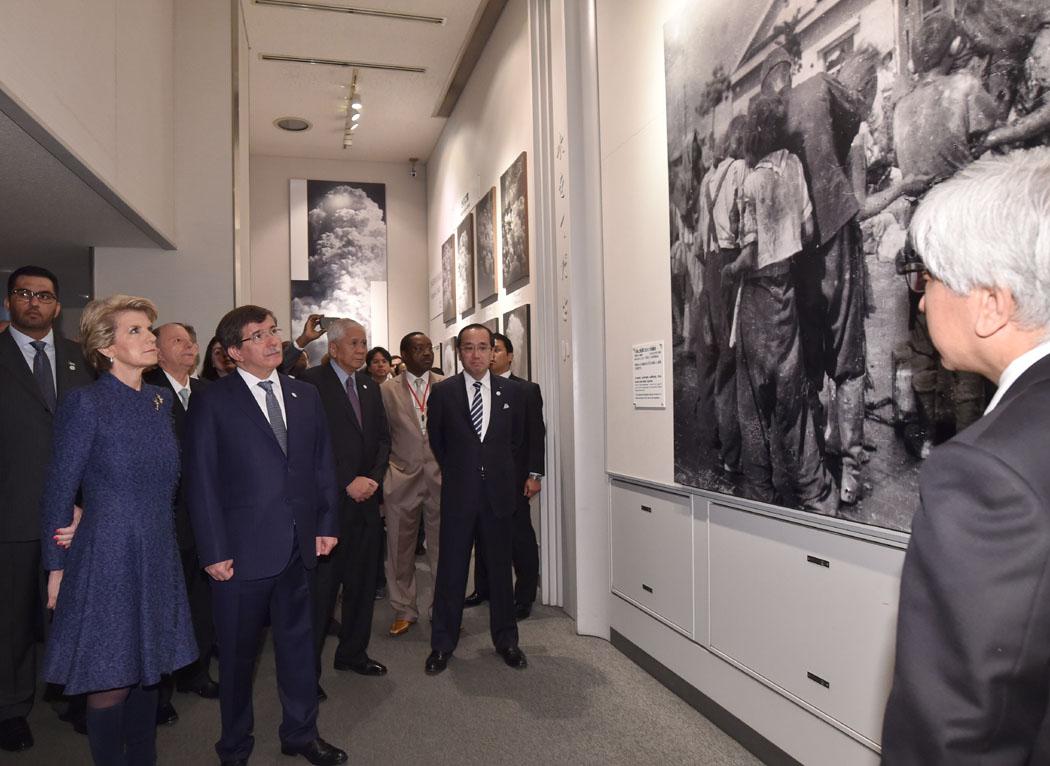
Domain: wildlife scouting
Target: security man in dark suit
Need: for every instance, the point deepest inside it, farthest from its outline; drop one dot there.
(526, 554)
(260, 483)
(970, 684)
(177, 351)
(37, 369)
(476, 426)
(361, 445)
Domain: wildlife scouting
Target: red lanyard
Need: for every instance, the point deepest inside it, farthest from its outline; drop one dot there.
(421, 405)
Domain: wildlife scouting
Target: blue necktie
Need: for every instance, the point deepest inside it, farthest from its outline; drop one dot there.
(273, 413)
(42, 372)
(355, 400)
(476, 408)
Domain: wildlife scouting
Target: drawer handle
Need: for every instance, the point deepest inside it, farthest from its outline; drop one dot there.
(819, 562)
(819, 680)
(646, 588)
(647, 509)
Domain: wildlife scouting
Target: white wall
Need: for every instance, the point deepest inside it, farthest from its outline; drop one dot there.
(194, 283)
(99, 77)
(406, 215)
(490, 126)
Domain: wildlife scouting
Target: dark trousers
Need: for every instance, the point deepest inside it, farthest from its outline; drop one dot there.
(21, 624)
(525, 557)
(715, 359)
(457, 537)
(353, 565)
(775, 419)
(242, 608)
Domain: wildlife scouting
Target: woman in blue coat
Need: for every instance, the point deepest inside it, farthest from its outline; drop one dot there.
(121, 616)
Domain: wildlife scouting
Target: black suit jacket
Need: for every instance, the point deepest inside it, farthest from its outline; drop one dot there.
(532, 458)
(472, 470)
(25, 425)
(359, 450)
(972, 678)
(156, 377)
(247, 499)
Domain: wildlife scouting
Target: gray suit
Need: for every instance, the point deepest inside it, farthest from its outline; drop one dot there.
(25, 451)
(972, 677)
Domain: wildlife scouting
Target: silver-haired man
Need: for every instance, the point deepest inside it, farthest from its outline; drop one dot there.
(972, 679)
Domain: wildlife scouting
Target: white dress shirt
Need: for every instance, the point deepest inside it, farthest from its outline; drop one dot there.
(178, 388)
(29, 352)
(1016, 369)
(420, 392)
(486, 398)
(260, 393)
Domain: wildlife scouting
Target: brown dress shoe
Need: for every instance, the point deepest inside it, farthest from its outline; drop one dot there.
(400, 627)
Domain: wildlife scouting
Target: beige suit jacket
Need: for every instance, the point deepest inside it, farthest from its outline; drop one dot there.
(413, 473)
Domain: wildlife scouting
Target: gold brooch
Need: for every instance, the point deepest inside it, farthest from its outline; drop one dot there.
(157, 401)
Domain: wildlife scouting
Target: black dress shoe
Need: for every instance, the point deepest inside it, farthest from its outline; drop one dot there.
(166, 714)
(236, 762)
(321, 696)
(437, 662)
(522, 611)
(318, 752)
(474, 599)
(202, 687)
(367, 667)
(15, 735)
(514, 657)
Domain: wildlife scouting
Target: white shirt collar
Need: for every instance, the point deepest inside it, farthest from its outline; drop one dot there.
(506, 374)
(174, 383)
(253, 381)
(411, 379)
(1016, 369)
(486, 381)
(24, 340)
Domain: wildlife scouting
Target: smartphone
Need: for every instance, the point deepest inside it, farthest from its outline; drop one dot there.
(323, 323)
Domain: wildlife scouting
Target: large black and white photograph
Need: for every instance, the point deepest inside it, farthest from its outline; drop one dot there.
(448, 279)
(485, 221)
(516, 327)
(798, 150)
(465, 266)
(514, 222)
(449, 357)
(347, 252)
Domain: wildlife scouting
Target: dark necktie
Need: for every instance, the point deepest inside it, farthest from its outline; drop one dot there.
(476, 408)
(43, 375)
(273, 414)
(355, 401)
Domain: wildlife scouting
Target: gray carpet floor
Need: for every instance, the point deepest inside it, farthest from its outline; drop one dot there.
(579, 702)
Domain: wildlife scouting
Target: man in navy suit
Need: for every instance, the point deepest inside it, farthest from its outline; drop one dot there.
(973, 629)
(476, 425)
(260, 482)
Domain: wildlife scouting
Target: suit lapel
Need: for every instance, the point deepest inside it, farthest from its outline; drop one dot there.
(336, 390)
(64, 366)
(12, 358)
(294, 410)
(496, 402)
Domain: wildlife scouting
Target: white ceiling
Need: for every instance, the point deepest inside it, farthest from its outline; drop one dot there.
(397, 121)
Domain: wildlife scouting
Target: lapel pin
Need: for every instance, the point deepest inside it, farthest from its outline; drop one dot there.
(294, 395)
(506, 406)
(364, 385)
(499, 393)
(157, 401)
(73, 366)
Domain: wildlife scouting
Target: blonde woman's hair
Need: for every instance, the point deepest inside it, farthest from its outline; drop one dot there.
(98, 325)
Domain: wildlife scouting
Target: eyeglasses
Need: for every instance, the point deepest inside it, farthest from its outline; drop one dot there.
(44, 296)
(259, 335)
(917, 280)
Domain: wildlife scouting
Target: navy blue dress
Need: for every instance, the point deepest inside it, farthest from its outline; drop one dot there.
(122, 617)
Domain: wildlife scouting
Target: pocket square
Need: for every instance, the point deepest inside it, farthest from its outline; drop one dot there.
(506, 406)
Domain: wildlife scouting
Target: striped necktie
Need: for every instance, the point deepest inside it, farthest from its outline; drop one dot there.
(273, 414)
(476, 408)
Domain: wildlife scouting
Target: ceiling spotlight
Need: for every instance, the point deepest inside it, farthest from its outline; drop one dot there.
(355, 102)
(355, 126)
(293, 124)
(355, 117)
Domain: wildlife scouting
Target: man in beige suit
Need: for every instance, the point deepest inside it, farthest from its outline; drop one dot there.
(412, 488)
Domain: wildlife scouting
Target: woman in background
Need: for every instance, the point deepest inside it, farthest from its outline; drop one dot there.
(216, 363)
(121, 616)
(378, 363)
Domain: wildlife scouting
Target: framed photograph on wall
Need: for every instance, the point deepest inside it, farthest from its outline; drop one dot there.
(448, 357)
(436, 348)
(448, 279)
(465, 266)
(492, 324)
(485, 221)
(516, 327)
(514, 222)
(344, 273)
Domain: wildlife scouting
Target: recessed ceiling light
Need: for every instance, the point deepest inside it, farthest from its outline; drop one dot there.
(293, 124)
(355, 116)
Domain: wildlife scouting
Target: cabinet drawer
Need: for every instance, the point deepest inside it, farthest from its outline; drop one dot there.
(652, 551)
(812, 611)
